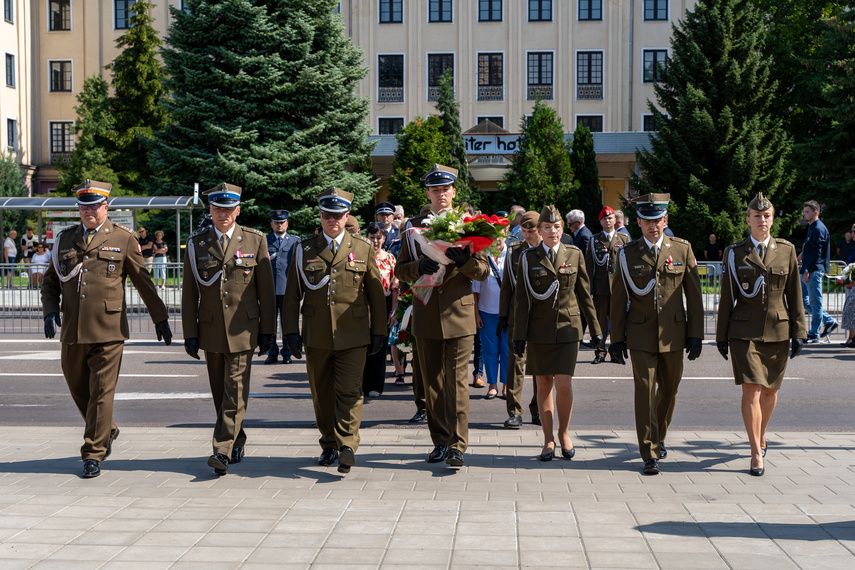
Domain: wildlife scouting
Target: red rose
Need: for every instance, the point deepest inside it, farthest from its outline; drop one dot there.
(841, 281)
(403, 336)
(467, 219)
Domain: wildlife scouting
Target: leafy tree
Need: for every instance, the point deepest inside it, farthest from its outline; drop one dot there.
(263, 96)
(717, 143)
(11, 185)
(138, 82)
(93, 130)
(449, 109)
(541, 173)
(421, 144)
(829, 156)
(584, 161)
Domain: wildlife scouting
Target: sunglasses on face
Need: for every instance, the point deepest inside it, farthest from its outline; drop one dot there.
(84, 207)
(332, 216)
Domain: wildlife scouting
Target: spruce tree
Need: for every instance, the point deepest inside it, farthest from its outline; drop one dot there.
(421, 144)
(262, 95)
(717, 143)
(829, 157)
(138, 82)
(449, 110)
(541, 173)
(94, 130)
(584, 161)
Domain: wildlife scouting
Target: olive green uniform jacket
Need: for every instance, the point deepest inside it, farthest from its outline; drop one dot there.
(601, 261)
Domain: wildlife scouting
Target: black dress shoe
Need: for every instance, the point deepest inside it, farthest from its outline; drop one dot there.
(419, 417)
(113, 437)
(548, 456)
(219, 462)
(328, 457)
(286, 359)
(663, 453)
(757, 472)
(535, 419)
(346, 459)
(586, 344)
(91, 468)
(514, 421)
(437, 455)
(568, 453)
(454, 458)
(613, 359)
(599, 359)
(272, 359)
(651, 467)
(237, 455)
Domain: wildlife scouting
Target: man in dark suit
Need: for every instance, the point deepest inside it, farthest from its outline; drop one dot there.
(577, 231)
(86, 282)
(280, 248)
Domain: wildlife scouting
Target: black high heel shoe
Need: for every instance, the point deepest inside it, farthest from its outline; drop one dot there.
(568, 453)
(548, 456)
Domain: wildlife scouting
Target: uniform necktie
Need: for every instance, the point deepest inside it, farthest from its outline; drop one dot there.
(278, 242)
(655, 251)
(89, 235)
(224, 241)
(551, 255)
(761, 249)
(333, 247)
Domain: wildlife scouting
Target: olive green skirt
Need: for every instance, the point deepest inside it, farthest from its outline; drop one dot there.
(756, 362)
(548, 359)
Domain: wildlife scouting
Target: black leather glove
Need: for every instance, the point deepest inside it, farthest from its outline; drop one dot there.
(596, 340)
(163, 331)
(52, 321)
(265, 343)
(617, 350)
(458, 255)
(378, 343)
(428, 266)
(693, 347)
(796, 346)
(191, 347)
(723, 347)
(502, 326)
(519, 348)
(295, 345)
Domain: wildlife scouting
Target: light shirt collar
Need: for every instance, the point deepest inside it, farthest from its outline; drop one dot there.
(338, 240)
(229, 233)
(611, 235)
(658, 244)
(546, 248)
(87, 231)
(764, 242)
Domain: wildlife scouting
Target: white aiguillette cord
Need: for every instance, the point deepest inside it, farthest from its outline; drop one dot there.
(758, 285)
(629, 283)
(55, 258)
(191, 252)
(539, 296)
(303, 280)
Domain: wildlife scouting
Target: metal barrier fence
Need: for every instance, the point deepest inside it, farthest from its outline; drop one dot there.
(21, 310)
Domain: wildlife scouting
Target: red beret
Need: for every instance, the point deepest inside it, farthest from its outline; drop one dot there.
(605, 212)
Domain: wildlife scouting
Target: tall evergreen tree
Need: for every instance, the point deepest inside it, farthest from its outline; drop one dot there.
(138, 82)
(584, 161)
(421, 144)
(829, 157)
(11, 185)
(93, 133)
(541, 173)
(449, 114)
(263, 96)
(717, 143)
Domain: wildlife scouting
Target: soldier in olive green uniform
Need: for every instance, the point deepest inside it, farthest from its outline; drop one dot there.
(760, 316)
(344, 311)
(649, 318)
(444, 327)
(600, 260)
(552, 295)
(86, 281)
(516, 374)
(228, 308)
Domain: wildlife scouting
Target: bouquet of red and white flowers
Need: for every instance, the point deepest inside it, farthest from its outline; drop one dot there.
(847, 275)
(399, 335)
(452, 228)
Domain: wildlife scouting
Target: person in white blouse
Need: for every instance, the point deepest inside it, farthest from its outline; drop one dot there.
(494, 349)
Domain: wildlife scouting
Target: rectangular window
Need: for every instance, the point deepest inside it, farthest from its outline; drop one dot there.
(60, 76)
(337, 9)
(10, 70)
(390, 125)
(390, 78)
(438, 63)
(8, 11)
(654, 61)
(498, 121)
(539, 10)
(59, 15)
(61, 141)
(539, 76)
(12, 135)
(489, 10)
(491, 77)
(655, 9)
(440, 11)
(589, 75)
(391, 11)
(593, 122)
(648, 123)
(590, 9)
(123, 14)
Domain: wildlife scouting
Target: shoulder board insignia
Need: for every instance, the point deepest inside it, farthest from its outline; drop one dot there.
(308, 238)
(782, 241)
(573, 247)
(679, 240)
(252, 231)
(126, 228)
(362, 239)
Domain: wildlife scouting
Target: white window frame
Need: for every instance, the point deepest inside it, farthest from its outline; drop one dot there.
(389, 117)
(576, 74)
(50, 61)
(551, 20)
(554, 72)
(427, 15)
(504, 119)
(70, 17)
(478, 19)
(11, 4)
(14, 69)
(667, 51)
(427, 71)
(377, 80)
(602, 12)
(504, 75)
(403, 14)
(50, 137)
(667, 12)
(577, 115)
(9, 122)
(113, 2)
(641, 129)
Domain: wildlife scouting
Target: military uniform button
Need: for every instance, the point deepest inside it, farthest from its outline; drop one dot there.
(764, 308)
(83, 284)
(334, 271)
(85, 257)
(83, 296)
(85, 271)
(333, 281)
(332, 302)
(440, 291)
(226, 306)
(660, 308)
